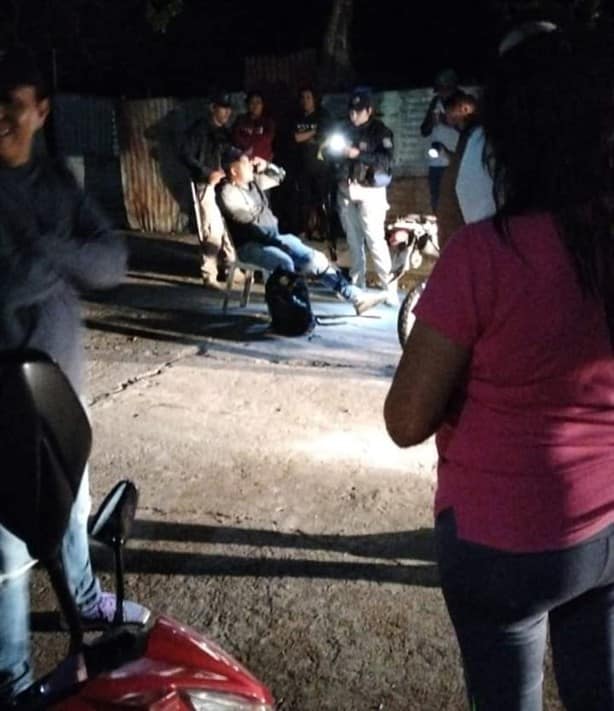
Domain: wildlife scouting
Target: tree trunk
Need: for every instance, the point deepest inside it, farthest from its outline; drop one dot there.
(336, 71)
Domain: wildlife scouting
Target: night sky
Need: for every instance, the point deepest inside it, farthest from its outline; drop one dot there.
(109, 48)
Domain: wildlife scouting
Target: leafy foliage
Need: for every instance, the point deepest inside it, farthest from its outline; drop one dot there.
(160, 13)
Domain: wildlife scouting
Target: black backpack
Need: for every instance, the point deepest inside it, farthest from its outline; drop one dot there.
(287, 298)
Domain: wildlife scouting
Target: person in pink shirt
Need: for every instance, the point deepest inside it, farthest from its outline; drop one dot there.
(510, 363)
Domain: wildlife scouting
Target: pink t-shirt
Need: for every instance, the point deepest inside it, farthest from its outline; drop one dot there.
(527, 462)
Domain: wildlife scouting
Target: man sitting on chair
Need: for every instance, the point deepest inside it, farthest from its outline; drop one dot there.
(255, 232)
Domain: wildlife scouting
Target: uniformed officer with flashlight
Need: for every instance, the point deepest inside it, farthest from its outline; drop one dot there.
(363, 154)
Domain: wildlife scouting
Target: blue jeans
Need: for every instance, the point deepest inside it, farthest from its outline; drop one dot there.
(501, 605)
(295, 256)
(15, 564)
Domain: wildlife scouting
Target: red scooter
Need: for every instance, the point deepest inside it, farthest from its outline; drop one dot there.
(164, 666)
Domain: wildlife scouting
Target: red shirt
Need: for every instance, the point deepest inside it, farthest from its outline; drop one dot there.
(528, 461)
(254, 136)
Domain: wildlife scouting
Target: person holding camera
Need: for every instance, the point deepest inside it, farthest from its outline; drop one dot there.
(462, 114)
(363, 165)
(443, 136)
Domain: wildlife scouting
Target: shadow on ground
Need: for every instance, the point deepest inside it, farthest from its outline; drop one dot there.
(164, 301)
(398, 546)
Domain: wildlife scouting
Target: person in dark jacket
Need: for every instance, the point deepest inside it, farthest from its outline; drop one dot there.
(201, 152)
(364, 170)
(53, 245)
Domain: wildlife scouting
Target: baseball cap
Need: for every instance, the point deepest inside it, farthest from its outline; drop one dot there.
(221, 98)
(18, 68)
(360, 99)
(230, 155)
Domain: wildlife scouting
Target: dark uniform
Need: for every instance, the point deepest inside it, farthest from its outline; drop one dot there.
(373, 167)
(361, 195)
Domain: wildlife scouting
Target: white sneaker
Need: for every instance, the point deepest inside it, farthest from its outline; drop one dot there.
(363, 302)
(101, 613)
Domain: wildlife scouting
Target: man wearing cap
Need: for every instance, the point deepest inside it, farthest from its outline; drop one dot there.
(364, 169)
(443, 137)
(54, 244)
(201, 152)
(255, 232)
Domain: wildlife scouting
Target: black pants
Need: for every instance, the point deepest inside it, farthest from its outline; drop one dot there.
(312, 184)
(501, 605)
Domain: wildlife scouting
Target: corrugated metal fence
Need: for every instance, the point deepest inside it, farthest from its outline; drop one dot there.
(147, 174)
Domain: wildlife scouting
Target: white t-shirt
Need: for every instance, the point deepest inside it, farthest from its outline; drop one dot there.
(443, 134)
(474, 185)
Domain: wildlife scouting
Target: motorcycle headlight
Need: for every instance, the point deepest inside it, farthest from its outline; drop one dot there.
(214, 701)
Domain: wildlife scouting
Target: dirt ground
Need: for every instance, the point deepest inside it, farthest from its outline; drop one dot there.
(275, 514)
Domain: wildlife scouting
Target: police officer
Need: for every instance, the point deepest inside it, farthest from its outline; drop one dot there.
(201, 152)
(363, 174)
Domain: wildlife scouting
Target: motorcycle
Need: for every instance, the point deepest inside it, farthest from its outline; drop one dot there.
(164, 665)
(410, 239)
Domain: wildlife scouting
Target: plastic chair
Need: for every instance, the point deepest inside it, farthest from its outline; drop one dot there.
(233, 266)
(249, 270)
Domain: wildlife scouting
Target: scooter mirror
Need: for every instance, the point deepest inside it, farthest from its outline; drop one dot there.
(112, 522)
(45, 441)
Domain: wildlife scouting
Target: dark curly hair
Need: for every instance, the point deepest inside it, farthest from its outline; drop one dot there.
(548, 116)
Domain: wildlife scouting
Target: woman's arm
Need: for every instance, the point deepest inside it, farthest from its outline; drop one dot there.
(428, 375)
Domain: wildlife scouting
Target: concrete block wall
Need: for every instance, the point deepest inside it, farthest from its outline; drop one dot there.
(407, 195)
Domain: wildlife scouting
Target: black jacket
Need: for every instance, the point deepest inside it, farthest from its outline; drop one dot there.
(374, 164)
(202, 147)
(53, 245)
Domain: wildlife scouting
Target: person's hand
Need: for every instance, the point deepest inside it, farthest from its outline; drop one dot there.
(352, 152)
(215, 176)
(259, 164)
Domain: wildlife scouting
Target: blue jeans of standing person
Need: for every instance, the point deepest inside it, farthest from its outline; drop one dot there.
(15, 564)
(293, 255)
(501, 605)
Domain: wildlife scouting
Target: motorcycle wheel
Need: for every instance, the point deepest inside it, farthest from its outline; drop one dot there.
(405, 320)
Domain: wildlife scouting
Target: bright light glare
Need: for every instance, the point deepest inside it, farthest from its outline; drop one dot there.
(371, 446)
(433, 153)
(337, 143)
